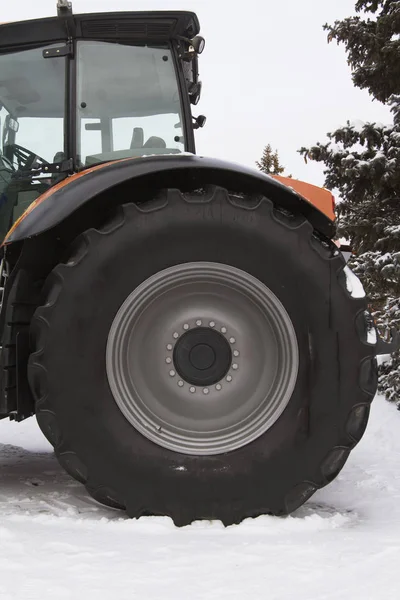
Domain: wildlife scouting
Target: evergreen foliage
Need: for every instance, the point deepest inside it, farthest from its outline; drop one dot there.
(372, 46)
(363, 163)
(269, 162)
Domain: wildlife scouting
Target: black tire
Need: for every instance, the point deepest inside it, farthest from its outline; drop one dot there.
(327, 413)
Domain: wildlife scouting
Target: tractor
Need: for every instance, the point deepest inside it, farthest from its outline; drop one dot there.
(185, 330)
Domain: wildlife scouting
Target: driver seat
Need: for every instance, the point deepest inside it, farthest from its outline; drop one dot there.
(137, 138)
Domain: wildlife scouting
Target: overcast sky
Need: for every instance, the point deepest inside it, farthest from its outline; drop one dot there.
(268, 74)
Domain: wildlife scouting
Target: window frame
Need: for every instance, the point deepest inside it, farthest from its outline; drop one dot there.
(66, 58)
(185, 106)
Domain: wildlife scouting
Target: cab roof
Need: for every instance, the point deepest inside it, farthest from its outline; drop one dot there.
(113, 27)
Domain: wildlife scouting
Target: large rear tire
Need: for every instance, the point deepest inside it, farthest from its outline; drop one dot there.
(200, 356)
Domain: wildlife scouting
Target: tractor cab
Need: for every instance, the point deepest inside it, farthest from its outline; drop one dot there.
(80, 90)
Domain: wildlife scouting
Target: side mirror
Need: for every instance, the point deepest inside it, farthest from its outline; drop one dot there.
(13, 125)
(10, 124)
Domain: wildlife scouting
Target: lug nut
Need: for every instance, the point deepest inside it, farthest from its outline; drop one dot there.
(168, 360)
(229, 377)
(192, 389)
(232, 340)
(198, 322)
(212, 323)
(218, 387)
(180, 383)
(169, 346)
(234, 366)
(223, 329)
(205, 391)
(176, 335)
(186, 326)
(236, 353)
(172, 373)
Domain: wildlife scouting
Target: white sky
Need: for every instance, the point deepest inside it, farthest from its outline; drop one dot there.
(268, 74)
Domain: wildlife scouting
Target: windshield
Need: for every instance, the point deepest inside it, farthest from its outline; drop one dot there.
(128, 102)
(32, 99)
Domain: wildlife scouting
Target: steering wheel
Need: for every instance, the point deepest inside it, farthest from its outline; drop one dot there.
(5, 163)
(26, 159)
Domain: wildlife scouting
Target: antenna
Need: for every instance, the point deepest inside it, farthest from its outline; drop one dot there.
(64, 8)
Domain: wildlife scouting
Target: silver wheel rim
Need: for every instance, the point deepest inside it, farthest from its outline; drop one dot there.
(202, 419)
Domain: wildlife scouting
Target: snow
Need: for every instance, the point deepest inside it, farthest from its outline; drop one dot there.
(353, 284)
(357, 125)
(384, 359)
(372, 336)
(58, 543)
(392, 229)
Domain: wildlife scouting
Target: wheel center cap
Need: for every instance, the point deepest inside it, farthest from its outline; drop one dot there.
(202, 356)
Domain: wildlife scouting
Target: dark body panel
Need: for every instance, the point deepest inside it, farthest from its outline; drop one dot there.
(192, 171)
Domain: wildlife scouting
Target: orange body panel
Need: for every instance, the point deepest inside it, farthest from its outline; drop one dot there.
(322, 198)
(51, 191)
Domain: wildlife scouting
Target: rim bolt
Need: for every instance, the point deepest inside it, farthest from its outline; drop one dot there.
(180, 383)
(205, 391)
(218, 387)
(212, 323)
(192, 390)
(232, 340)
(169, 346)
(234, 366)
(176, 335)
(223, 330)
(168, 360)
(198, 322)
(186, 326)
(236, 353)
(229, 377)
(172, 373)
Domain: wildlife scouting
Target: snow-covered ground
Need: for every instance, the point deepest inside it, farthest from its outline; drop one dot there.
(57, 543)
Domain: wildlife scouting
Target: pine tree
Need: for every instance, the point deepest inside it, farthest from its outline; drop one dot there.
(269, 162)
(372, 46)
(363, 163)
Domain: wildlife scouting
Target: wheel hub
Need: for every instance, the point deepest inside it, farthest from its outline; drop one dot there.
(202, 356)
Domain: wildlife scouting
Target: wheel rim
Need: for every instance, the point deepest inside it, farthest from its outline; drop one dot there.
(187, 306)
